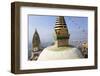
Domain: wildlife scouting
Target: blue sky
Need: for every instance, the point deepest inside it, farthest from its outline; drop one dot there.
(77, 26)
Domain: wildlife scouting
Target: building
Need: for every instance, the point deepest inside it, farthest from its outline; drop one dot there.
(36, 50)
(62, 32)
(85, 50)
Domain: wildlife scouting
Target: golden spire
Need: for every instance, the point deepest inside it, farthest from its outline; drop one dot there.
(61, 31)
(60, 21)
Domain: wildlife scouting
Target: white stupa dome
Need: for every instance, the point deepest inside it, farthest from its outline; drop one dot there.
(62, 39)
(59, 53)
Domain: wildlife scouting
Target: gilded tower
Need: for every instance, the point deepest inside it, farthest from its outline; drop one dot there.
(36, 41)
(62, 33)
(35, 46)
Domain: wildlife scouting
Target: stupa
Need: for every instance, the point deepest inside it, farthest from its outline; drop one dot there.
(61, 49)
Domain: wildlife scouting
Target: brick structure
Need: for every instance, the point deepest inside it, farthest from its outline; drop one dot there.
(62, 33)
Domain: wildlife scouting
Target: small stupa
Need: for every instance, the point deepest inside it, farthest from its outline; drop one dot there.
(61, 49)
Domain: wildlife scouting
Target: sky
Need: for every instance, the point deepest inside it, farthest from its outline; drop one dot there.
(77, 26)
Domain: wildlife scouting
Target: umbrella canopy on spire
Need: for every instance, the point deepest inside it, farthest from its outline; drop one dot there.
(60, 20)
